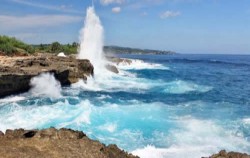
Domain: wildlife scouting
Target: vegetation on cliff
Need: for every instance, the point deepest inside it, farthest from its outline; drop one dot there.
(57, 47)
(127, 50)
(11, 46)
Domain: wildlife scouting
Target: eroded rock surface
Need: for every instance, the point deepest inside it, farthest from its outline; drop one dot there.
(224, 154)
(119, 61)
(55, 143)
(16, 72)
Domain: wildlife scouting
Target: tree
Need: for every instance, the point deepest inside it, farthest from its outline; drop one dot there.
(74, 44)
(56, 47)
(41, 46)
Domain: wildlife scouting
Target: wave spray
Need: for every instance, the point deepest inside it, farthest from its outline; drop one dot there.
(91, 41)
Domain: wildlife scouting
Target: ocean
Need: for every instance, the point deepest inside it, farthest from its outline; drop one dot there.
(171, 106)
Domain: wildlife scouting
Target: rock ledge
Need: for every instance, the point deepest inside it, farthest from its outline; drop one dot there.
(55, 143)
(16, 72)
(224, 154)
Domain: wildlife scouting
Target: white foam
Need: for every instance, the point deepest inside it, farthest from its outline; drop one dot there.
(12, 99)
(194, 139)
(45, 85)
(59, 115)
(151, 152)
(131, 122)
(180, 87)
(111, 82)
(246, 120)
(91, 41)
(84, 117)
(114, 82)
(110, 127)
(102, 97)
(137, 64)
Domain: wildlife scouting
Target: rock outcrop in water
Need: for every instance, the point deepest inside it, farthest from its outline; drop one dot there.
(16, 72)
(55, 143)
(119, 61)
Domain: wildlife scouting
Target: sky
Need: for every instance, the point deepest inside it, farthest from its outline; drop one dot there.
(183, 26)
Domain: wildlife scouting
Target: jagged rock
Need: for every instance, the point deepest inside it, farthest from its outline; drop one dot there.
(55, 143)
(14, 133)
(224, 154)
(59, 134)
(112, 68)
(118, 61)
(16, 72)
(1, 134)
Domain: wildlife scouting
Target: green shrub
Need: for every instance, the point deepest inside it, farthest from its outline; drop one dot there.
(56, 47)
(9, 45)
(7, 48)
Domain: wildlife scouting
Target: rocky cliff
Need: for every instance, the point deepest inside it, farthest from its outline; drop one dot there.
(16, 72)
(55, 143)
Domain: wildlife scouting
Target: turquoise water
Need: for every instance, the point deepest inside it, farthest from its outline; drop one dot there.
(167, 106)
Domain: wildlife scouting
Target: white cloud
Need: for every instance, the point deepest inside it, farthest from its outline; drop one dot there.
(107, 2)
(116, 9)
(35, 21)
(169, 14)
(62, 8)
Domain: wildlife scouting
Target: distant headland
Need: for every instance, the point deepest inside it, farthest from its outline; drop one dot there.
(11, 46)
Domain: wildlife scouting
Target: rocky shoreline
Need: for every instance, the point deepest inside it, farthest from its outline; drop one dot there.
(15, 75)
(64, 142)
(16, 72)
(224, 154)
(55, 143)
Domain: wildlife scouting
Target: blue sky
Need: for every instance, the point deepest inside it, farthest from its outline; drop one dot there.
(184, 26)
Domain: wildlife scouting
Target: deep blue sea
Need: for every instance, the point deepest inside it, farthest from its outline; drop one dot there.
(160, 106)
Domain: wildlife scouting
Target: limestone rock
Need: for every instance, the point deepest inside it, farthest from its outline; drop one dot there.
(16, 72)
(55, 143)
(118, 61)
(112, 68)
(224, 154)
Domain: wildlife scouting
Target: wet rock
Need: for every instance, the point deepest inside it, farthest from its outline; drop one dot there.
(59, 134)
(118, 61)
(55, 143)
(14, 133)
(112, 68)
(224, 154)
(1, 134)
(22, 69)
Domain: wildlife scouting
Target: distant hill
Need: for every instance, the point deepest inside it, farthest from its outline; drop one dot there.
(12, 46)
(127, 50)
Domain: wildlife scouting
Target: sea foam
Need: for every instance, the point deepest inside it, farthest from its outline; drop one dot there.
(195, 138)
(137, 64)
(180, 87)
(45, 85)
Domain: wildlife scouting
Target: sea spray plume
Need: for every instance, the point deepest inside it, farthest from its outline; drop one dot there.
(45, 84)
(91, 40)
